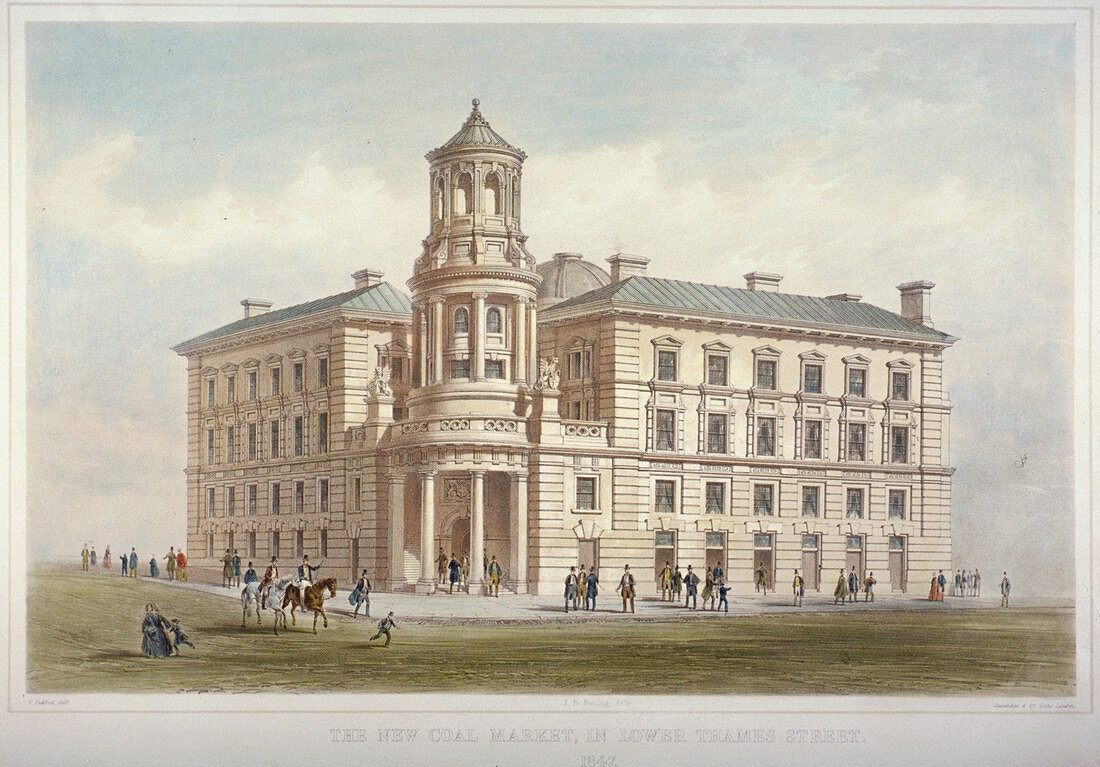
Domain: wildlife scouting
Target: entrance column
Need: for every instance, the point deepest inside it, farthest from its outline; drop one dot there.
(519, 531)
(427, 533)
(397, 531)
(477, 531)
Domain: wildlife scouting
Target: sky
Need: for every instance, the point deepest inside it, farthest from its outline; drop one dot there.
(177, 169)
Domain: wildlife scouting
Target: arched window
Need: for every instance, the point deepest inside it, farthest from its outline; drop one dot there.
(492, 321)
(464, 195)
(462, 321)
(493, 199)
(437, 203)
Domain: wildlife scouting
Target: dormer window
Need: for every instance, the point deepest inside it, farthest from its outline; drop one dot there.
(462, 321)
(493, 322)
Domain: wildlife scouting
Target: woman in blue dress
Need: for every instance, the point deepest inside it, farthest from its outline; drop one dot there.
(455, 575)
(154, 634)
(154, 571)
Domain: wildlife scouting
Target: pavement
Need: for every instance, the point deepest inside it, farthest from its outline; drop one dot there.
(520, 609)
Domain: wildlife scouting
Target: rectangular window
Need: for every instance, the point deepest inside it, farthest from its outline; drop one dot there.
(275, 544)
(250, 498)
(210, 392)
(397, 370)
(322, 432)
(857, 442)
(298, 431)
(717, 433)
(663, 539)
(666, 430)
(899, 444)
(322, 496)
(812, 447)
(252, 545)
(586, 493)
(765, 374)
(897, 504)
(857, 382)
(231, 389)
(274, 439)
(899, 386)
(209, 501)
(324, 544)
(209, 544)
(765, 436)
(299, 376)
(811, 501)
(811, 379)
(666, 366)
(300, 543)
(494, 369)
(275, 498)
(276, 382)
(716, 498)
(322, 372)
(252, 442)
(460, 368)
(855, 503)
(718, 370)
(230, 501)
(252, 385)
(357, 493)
(299, 497)
(210, 446)
(575, 365)
(230, 444)
(810, 541)
(665, 496)
(763, 500)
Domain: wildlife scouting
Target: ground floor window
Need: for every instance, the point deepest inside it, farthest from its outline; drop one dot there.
(324, 543)
(854, 555)
(252, 545)
(588, 553)
(275, 544)
(299, 543)
(899, 564)
(811, 561)
(763, 559)
(210, 545)
(716, 552)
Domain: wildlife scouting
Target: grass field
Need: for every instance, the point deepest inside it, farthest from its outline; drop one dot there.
(84, 636)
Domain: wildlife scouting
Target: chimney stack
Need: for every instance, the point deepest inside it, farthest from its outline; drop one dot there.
(252, 308)
(624, 266)
(851, 298)
(916, 301)
(364, 278)
(763, 281)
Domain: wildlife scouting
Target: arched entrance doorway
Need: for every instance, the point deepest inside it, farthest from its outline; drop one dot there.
(460, 537)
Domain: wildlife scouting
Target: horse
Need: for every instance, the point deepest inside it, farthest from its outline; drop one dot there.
(250, 596)
(274, 598)
(313, 599)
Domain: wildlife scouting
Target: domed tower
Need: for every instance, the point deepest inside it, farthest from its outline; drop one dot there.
(474, 286)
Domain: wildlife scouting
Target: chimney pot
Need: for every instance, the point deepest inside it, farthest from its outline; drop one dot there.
(253, 307)
(624, 266)
(916, 301)
(763, 281)
(364, 278)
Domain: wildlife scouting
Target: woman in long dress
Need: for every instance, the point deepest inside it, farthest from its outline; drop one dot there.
(107, 558)
(154, 634)
(154, 571)
(708, 591)
(93, 562)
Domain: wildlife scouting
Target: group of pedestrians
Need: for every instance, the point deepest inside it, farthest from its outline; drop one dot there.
(672, 583)
(454, 572)
(176, 563)
(585, 586)
(231, 569)
(160, 637)
(847, 589)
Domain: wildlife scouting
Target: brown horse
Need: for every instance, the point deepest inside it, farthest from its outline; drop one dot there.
(313, 599)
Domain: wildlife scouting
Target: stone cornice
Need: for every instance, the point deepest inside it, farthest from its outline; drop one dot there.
(801, 331)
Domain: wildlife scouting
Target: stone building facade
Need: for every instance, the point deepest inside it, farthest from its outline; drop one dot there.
(558, 414)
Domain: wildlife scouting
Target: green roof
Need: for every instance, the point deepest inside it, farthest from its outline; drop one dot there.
(758, 305)
(380, 298)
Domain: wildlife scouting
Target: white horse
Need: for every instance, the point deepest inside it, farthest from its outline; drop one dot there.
(272, 599)
(250, 596)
